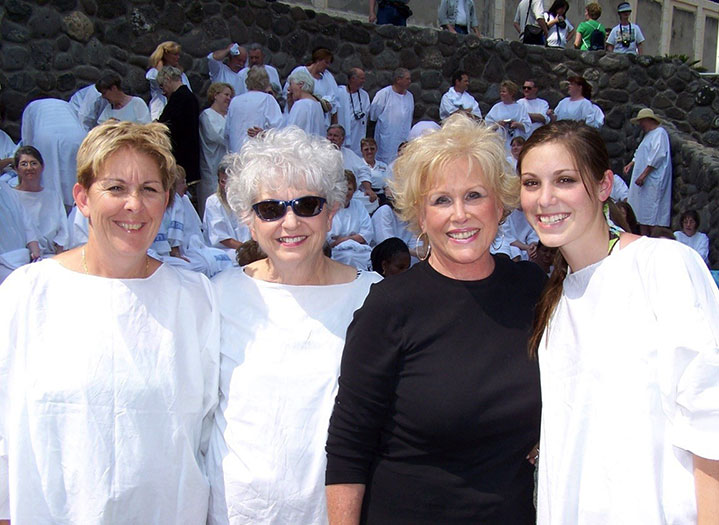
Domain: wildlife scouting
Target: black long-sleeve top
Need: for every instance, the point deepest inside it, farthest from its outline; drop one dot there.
(439, 403)
(182, 116)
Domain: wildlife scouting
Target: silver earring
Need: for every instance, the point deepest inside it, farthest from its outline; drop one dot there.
(423, 257)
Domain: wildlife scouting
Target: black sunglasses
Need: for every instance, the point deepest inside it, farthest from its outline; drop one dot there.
(273, 209)
(527, 87)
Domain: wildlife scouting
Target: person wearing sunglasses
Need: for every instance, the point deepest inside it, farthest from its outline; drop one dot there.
(284, 320)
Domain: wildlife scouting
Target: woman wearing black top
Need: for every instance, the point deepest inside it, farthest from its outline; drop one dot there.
(438, 405)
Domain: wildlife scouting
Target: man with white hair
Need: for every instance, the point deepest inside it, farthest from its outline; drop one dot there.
(228, 73)
(354, 108)
(392, 108)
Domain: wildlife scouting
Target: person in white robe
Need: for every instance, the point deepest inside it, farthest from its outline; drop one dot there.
(354, 106)
(256, 57)
(284, 319)
(393, 108)
(620, 190)
(223, 229)
(167, 53)
(360, 170)
(351, 234)
(522, 238)
(650, 188)
(511, 118)
(537, 108)
(77, 227)
(253, 111)
(324, 87)
(213, 145)
(19, 240)
(121, 105)
(52, 127)
(578, 106)
(691, 236)
(457, 98)
(305, 113)
(7, 151)
(42, 206)
(88, 105)
(109, 363)
(228, 73)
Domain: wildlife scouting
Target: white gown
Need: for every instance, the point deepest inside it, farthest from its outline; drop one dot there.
(351, 107)
(280, 360)
(220, 72)
(519, 230)
(352, 220)
(46, 211)
(652, 202)
(699, 242)
(356, 165)
(307, 114)
(52, 127)
(536, 105)
(212, 148)
(158, 101)
(88, 104)
(582, 110)
(325, 88)
(251, 109)
(271, 73)
(7, 145)
(452, 102)
(620, 190)
(17, 231)
(393, 113)
(515, 112)
(134, 111)
(625, 404)
(220, 224)
(107, 394)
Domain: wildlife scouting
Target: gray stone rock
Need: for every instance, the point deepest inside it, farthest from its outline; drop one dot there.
(711, 138)
(431, 79)
(554, 55)
(493, 70)
(474, 63)
(676, 83)
(431, 58)
(592, 74)
(110, 9)
(390, 32)
(118, 66)
(264, 19)
(196, 13)
(355, 33)
(408, 59)
(42, 53)
(18, 11)
(66, 82)
(667, 70)
(45, 23)
(118, 32)
(376, 45)
(45, 81)
(701, 118)
(426, 37)
(686, 73)
(95, 53)
(282, 26)
(591, 59)
(447, 38)
(62, 43)
(87, 73)
(516, 70)
(296, 44)
(645, 60)
(431, 97)
(643, 96)
(615, 149)
(685, 101)
(297, 13)
(675, 113)
(615, 95)
(386, 60)
(613, 62)
(12, 32)
(63, 61)
(615, 119)
(619, 80)
(15, 58)
(280, 8)
(505, 51)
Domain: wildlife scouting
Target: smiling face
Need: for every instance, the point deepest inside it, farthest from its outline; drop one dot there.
(291, 240)
(461, 214)
(506, 96)
(557, 204)
(29, 169)
(530, 90)
(223, 98)
(124, 204)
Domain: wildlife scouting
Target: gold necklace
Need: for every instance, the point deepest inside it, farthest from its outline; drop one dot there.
(85, 270)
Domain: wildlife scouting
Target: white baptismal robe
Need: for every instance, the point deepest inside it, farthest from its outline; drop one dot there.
(352, 116)
(7, 145)
(280, 360)
(46, 211)
(325, 88)
(212, 148)
(652, 202)
(52, 127)
(356, 165)
(134, 111)
(249, 110)
(620, 190)
(393, 113)
(515, 112)
(535, 105)
(352, 220)
(626, 404)
(519, 230)
(221, 224)
(307, 115)
(158, 101)
(107, 394)
(221, 72)
(88, 104)
(386, 224)
(271, 73)
(452, 102)
(17, 232)
(699, 242)
(582, 110)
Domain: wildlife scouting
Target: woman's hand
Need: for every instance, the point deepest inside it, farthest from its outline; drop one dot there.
(533, 455)
(35, 253)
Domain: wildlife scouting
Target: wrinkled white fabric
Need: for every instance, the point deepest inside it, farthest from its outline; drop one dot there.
(558, 35)
(514, 112)
(212, 260)
(280, 360)
(393, 113)
(620, 190)
(17, 231)
(220, 72)
(220, 224)
(325, 88)
(452, 102)
(356, 165)
(536, 105)
(52, 127)
(582, 110)
(352, 220)
(625, 404)
(87, 104)
(212, 148)
(518, 229)
(386, 224)
(7, 146)
(47, 213)
(134, 111)
(158, 101)
(307, 115)
(380, 174)
(77, 226)
(699, 242)
(271, 72)
(352, 116)
(251, 109)
(107, 394)
(652, 202)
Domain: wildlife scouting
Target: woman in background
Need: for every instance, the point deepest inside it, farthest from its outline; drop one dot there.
(165, 54)
(691, 236)
(212, 139)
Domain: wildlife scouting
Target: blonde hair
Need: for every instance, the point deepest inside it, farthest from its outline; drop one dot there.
(112, 136)
(422, 160)
(216, 88)
(158, 54)
(257, 79)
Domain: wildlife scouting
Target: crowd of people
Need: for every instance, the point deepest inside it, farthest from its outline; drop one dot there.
(416, 328)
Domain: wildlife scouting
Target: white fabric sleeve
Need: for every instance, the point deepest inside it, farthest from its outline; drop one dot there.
(383, 224)
(703, 247)
(212, 133)
(658, 150)
(685, 301)
(638, 35)
(211, 369)
(378, 104)
(446, 108)
(8, 295)
(213, 66)
(612, 38)
(365, 229)
(216, 227)
(537, 10)
(273, 113)
(62, 235)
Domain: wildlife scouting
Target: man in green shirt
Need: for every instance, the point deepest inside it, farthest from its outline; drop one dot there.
(590, 33)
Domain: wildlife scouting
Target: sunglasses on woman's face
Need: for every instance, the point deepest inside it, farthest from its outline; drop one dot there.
(273, 209)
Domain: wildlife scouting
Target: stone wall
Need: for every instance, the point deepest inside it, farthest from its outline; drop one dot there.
(53, 48)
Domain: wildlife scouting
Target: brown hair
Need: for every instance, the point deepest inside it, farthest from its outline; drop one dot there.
(582, 82)
(510, 86)
(589, 154)
(594, 10)
(215, 89)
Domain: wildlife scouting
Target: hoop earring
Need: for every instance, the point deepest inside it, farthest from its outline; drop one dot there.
(429, 247)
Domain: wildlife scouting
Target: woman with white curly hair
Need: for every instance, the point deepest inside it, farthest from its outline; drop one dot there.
(284, 320)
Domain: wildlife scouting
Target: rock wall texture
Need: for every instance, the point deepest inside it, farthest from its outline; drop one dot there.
(54, 47)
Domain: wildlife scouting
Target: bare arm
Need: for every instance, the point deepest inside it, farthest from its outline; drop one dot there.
(372, 11)
(516, 26)
(231, 243)
(578, 40)
(367, 189)
(344, 503)
(640, 180)
(610, 48)
(706, 481)
(639, 49)
(220, 54)
(543, 24)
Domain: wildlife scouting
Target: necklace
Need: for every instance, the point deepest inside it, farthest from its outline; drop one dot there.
(87, 272)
